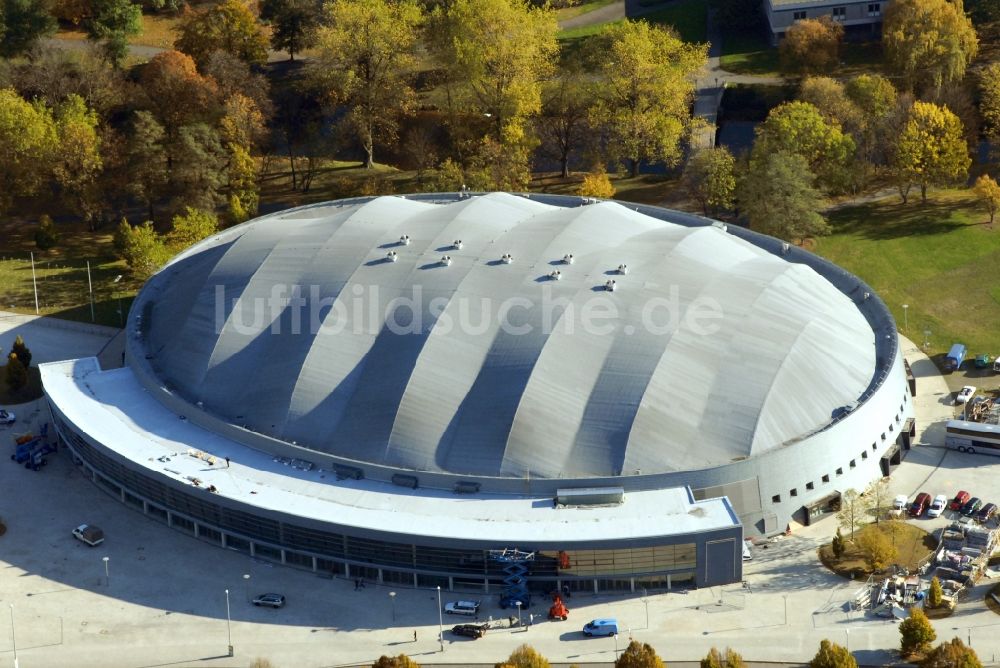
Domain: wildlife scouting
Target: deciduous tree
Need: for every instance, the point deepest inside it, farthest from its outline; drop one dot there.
(710, 178)
(837, 545)
(46, 236)
(28, 142)
(22, 351)
(198, 173)
(111, 23)
(365, 53)
(916, 633)
(878, 549)
(230, 26)
(811, 45)
(853, 508)
(53, 75)
(78, 160)
(931, 149)
(597, 184)
(716, 659)
(178, 94)
(875, 98)
(778, 198)
(147, 160)
(401, 661)
(928, 42)
(562, 126)
(831, 655)
(233, 76)
(953, 654)
(293, 24)
(989, 105)
(645, 93)
(190, 227)
(141, 248)
(22, 24)
(934, 594)
(524, 657)
(830, 97)
(879, 498)
(639, 655)
(988, 192)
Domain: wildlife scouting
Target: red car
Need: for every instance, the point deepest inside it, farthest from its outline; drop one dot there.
(920, 504)
(960, 500)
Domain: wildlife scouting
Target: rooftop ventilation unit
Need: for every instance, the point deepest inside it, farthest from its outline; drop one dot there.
(507, 258)
(568, 258)
(391, 256)
(610, 285)
(405, 240)
(463, 487)
(785, 247)
(446, 260)
(556, 275)
(590, 496)
(721, 226)
(457, 244)
(405, 480)
(623, 269)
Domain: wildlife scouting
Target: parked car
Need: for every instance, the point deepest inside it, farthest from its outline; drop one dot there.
(7, 417)
(89, 534)
(920, 504)
(938, 505)
(899, 504)
(469, 608)
(269, 600)
(511, 602)
(986, 513)
(971, 506)
(469, 630)
(982, 361)
(965, 394)
(953, 360)
(601, 627)
(959, 501)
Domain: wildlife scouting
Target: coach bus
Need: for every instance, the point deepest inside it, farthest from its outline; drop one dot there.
(973, 437)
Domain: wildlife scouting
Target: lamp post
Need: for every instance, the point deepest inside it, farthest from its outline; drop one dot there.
(847, 634)
(616, 645)
(440, 621)
(246, 585)
(107, 575)
(12, 637)
(518, 604)
(906, 322)
(785, 596)
(121, 314)
(645, 602)
(229, 630)
(392, 599)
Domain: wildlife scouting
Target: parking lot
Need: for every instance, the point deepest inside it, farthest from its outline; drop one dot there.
(161, 596)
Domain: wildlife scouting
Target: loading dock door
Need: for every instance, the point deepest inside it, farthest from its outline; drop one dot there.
(720, 563)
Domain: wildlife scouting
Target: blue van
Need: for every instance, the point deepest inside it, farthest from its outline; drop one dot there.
(601, 627)
(953, 360)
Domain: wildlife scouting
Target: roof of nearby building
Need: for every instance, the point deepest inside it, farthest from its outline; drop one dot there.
(115, 410)
(786, 351)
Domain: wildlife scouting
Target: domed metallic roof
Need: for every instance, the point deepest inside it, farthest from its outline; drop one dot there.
(436, 335)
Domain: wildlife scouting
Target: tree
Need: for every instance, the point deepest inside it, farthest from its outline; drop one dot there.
(952, 654)
(931, 149)
(879, 551)
(928, 41)
(177, 94)
(853, 507)
(494, 166)
(190, 227)
(988, 192)
(244, 195)
(17, 375)
(524, 657)
(500, 52)
(778, 198)
(799, 128)
(639, 655)
(646, 90)
(141, 248)
(989, 105)
(22, 24)
(811, 45)
(597, 184)
(879, 497)
(293, 24)
(831, 655)
(934, 594)
(78, 161)
(111, 23)
(22, 351)
(710, 178)
(716, 659)
(829, 96)
(28, 142)
(232, 76)
(46, 236)
(365, 53)
(916, 633)
(198, 173)
(837, 545)
(562, 126)
(875, 99)
(52, 75)
(230, 26)
(147, 160)
(401, 661)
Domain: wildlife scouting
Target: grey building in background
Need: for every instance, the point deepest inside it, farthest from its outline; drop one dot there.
(862, 19)
(395, 387)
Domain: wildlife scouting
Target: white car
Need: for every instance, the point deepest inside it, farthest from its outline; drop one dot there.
(469, 608)
(937, 506)
(899, 504)
(7, 417)
(965, 394)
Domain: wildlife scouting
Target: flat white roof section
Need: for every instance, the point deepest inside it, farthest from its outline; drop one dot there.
(115, 411)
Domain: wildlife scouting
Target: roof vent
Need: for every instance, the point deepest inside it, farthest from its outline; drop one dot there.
(556, 275)
(867, 296)
(785, 247)
(405, 240)
(568, 258)
(610, 285)
(623, 269)
(446, 260)
(721, 226)
(391, 256)
(507, 258)
(457, 244)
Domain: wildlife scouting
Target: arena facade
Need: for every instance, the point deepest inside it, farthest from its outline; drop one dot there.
(403, 388)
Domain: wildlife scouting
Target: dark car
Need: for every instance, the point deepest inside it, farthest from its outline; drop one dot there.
(959, 500)
(920, 504)
(971, 506)
(469, 630)
(986, 513)
(270, 600)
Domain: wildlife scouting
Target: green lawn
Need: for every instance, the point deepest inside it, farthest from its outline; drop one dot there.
(939, 258)
(582, 8)
(749, 54)
(688, 17)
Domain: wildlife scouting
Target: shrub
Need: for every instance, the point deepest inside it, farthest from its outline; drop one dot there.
(46, 236)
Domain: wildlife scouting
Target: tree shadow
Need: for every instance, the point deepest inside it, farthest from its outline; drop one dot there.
(880, 221)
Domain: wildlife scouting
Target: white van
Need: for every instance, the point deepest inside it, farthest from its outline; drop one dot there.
(607, 626)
